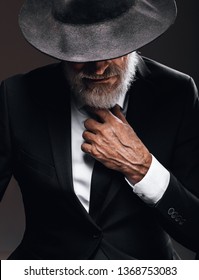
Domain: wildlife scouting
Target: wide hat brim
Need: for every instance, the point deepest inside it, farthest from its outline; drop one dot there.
(142, 23)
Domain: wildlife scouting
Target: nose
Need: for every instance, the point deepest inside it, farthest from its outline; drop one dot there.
(99, 67)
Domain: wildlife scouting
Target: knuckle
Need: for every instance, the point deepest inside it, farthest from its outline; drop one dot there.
(95, 152)
(105, 129)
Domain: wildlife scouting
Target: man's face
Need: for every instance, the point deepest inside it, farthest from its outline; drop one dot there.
(99, 84)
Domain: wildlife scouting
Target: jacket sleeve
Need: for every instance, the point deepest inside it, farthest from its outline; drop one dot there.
(5, 143)
(178, 209)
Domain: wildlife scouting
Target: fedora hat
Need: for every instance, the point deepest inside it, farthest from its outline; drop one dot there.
(92, 30)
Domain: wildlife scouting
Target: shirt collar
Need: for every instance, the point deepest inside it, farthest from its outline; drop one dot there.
(121, 101)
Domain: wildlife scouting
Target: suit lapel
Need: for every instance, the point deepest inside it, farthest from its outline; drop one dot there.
(142, 105)
(57, 107)
(59, 129)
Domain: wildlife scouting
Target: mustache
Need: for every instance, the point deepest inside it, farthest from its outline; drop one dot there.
(109, 72)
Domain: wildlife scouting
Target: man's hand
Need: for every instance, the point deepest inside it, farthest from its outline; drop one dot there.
(113, 142)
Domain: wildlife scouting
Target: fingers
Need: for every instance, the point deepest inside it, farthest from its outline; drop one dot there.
(92, 125)
(88, 136)
(106, 115)
(86, 148)
(103, 114)
(97, 130)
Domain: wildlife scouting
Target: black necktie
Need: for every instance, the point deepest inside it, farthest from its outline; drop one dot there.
(100, 183)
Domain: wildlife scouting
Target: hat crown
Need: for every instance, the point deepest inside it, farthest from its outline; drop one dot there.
(89, 11)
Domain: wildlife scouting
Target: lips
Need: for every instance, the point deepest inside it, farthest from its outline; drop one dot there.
(99, 80)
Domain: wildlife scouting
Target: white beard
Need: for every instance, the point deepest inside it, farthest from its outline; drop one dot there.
(102, 95)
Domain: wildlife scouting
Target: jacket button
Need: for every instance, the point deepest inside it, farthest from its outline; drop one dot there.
(174, 215)
(171, 211)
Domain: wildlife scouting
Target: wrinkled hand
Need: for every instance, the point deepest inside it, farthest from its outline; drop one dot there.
(113, 142)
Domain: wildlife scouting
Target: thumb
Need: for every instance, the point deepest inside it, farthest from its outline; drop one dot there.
(117, 112)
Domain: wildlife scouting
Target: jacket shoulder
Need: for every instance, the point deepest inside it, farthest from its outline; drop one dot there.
(36, 75)
(168, 80)
(160, 71)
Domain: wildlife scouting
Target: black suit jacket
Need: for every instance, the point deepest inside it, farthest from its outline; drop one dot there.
(35, 146)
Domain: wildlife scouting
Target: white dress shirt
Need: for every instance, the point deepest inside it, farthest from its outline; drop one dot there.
(150, 189)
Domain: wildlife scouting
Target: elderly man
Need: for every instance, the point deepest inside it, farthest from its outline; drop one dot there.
(104, 144)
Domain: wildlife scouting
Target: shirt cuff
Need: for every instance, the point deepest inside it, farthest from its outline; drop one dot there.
(154, 184)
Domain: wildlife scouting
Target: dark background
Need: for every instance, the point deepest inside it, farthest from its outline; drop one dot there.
(177, 48)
